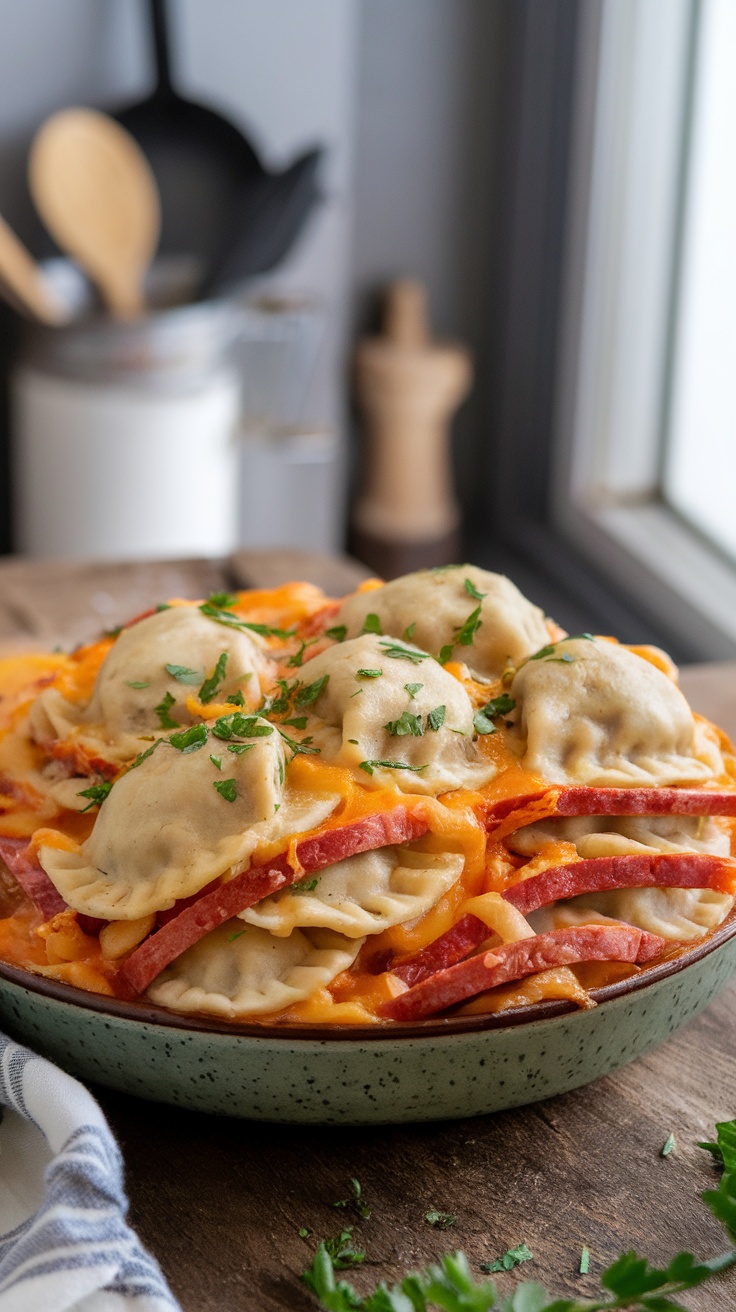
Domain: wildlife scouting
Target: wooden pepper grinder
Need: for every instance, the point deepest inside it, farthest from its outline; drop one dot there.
(408, 388)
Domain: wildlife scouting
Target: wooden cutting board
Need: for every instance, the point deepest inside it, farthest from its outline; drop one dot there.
(220, 1202)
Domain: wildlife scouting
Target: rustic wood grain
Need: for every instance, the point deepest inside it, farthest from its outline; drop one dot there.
(220, 1202)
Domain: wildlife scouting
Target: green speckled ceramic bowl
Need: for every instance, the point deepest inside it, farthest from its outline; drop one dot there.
(356, 1075)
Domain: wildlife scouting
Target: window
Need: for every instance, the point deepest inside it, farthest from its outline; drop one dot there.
(644, 463)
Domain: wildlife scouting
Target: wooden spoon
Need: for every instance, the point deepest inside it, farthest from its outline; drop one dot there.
(96, 193)
(25, 281)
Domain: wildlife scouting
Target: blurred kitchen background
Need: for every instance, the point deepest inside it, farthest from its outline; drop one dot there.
(488, 311)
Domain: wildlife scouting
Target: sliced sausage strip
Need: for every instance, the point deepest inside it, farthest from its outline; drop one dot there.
(602, 873)
(465, 935)
(226, 900)
(578, 800)
(513, 961)
(33, 880)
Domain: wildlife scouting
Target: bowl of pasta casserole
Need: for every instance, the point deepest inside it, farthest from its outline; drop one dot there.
(413, 853)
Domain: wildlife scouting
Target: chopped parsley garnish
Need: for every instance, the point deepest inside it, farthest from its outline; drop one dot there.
(472, 591)
(406, 724)
(136, 683)
(508, 1260)
(399, 653)
(97, 794)
(232, 937)
(298, 722)
(307, 696)
(436, 718)
(483, 719)
(341, 1252)
(668, 1145)
(408, 631)
(305, 885)
(371, 624)
(482, 724)
(211, 685)
(183, 674)
(145, 755)
(357, 1201)
(304, 1232)
(298, 658)
(413, 688)
(223, 600)
(584, 1260)
(216, 761)
(338, 634)
(162, 711)
(163, 605)
(370, 766)
(549, 651)
(238, 749)
(190, 740)
(302, 748)
(440, 1220)
(445, 653)
(235, 698)
(238, 725)
(465, 636)
(226, 788)
(369, 674)
(232, 621)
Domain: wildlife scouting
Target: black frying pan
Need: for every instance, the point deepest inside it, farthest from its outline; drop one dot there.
(217, 200)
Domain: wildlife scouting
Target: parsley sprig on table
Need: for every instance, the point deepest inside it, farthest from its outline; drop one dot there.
(630, 1284)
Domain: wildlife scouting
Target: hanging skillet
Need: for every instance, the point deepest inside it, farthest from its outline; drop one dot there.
(213, 187)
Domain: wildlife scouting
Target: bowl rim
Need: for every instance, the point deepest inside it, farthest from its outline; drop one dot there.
(150, 1013)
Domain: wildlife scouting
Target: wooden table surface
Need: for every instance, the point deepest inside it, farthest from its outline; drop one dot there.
(220, 1202)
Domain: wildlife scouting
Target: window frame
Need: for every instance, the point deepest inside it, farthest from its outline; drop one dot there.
(618, 307)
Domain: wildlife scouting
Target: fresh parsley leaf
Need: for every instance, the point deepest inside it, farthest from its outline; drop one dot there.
(190, 740)
(508, 1260)
(308, 695)
(406, 724)
(231, 621)
(472, 591)
(226, 788)
(299, 722)
(338, 634)
(238, 749)
(183, 674)
(436, 718)
(301, 748)
(371, 624)
(223, 600)
(542, 653)
(298, 658)
(440, 1220)
(136, 683)
(667, 1146)
(211, 685)
(162, 711)
(501, 705)
(370, 766)
(408, 631)
(369, 674)
(235, 698)
(238, 725)
(397, 652)
(724, 1151)
(304, 1232)
(97, 794)
(231, 939)
(413, 688)
(445, 653)
(358, 1200)
(584, 1260)
(216, 761)
(465, 635)
(482, 724)
(145, 755)
(163, 605)
(305, 885)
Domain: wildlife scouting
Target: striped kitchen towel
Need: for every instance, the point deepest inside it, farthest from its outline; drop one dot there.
(64, 1242)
